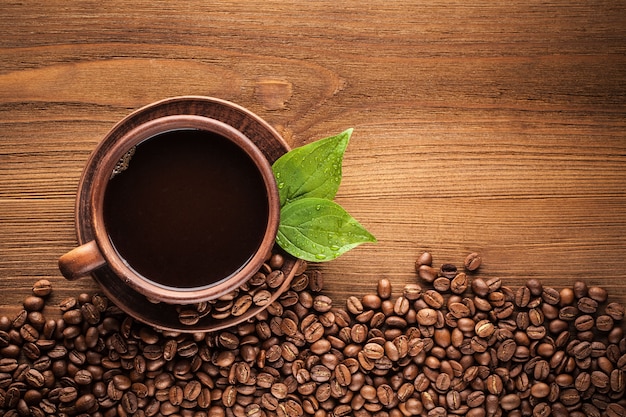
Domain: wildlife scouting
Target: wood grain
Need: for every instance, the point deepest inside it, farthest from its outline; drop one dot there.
(497, 127)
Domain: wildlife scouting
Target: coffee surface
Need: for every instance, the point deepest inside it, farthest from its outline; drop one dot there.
(190, 209)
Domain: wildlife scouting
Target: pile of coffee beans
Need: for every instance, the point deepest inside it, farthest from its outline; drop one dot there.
(451, 344)
(251, 297)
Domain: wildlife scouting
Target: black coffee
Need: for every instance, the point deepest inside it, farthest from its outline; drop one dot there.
(190, 209)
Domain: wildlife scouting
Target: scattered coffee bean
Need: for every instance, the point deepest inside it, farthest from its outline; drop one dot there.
(472, 261)
(33, 303)
(427, 273)
(42, 288)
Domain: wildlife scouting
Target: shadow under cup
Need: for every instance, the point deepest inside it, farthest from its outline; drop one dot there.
(185, 209)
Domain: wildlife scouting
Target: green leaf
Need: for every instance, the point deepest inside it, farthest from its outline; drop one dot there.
(312, 170)
(312, 227)
(319, 230)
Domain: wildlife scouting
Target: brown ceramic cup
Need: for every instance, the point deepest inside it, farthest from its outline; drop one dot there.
(101, 252)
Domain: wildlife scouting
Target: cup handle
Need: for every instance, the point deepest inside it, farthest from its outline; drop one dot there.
(81, 260)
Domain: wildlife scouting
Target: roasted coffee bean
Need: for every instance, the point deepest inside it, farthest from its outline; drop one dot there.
(90, 313)
(229, 396)
(540, 390)
(34, 378)
(587, 305)
(569, 397)
(314, 332)
(494, 284)
(582, 350)
(19, 319)
(459, 284)
(83, 377)
(599, 379)
(480, 287)
(510, 402)
(187, 349)
(275, 278)
(536, 332)
(522, 296)
(354, 305)
(401, 306)
(484, 328)
(494, 384)
(442, 284)
(615, 311)
(373, 301)
(580, 289)
(385, 394)
(459, 310)
(542, 410)
(72, 316)
(582, 381)
(42, 288)
(426, 316)
(568, 313)
(567, 296)
(604, 323)
(322, 303)
(85, 403)
(433, 299)
(597, 293)
(68, 394)
(427, 273)
(584, 323)
(175, 395)
(279, 390)
(615, 410)
(617, 380)
(129, 402)
(121, 382)
(504, 312)
(189, 317)
(536, 316)
(425, 258)
(262, 298)
(33, 303)
(472, 261)
(320, 373)
(242, 372)
(535, 287)
(373, 351)
(411, 292)
(316, 280)
(506, 350)
(448, 270)
(29, 333)
(170, 348)
(442, 382)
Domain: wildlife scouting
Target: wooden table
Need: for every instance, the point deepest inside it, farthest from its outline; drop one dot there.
(497, 126)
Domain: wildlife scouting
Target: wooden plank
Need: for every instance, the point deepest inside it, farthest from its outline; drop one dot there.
(493, 127)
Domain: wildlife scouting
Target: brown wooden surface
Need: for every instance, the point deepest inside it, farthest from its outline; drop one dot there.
(496, 126)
